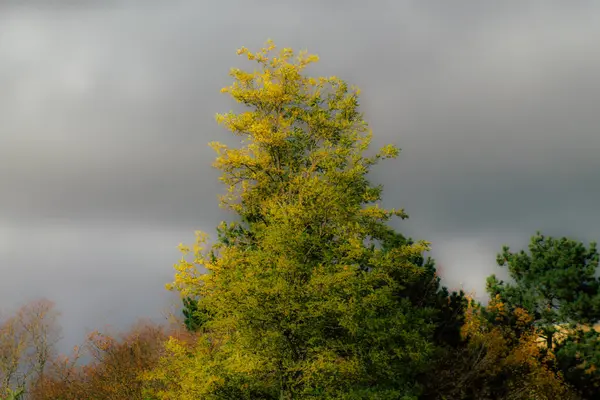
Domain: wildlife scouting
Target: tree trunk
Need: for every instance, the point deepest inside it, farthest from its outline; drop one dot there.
(549, 339)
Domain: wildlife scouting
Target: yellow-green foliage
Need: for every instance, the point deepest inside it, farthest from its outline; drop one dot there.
(304, 304)
(498, 361)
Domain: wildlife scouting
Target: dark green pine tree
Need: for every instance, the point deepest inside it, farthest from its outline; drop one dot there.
(556, 282)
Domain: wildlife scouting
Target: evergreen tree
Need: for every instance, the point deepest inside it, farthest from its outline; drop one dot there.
(556, 283)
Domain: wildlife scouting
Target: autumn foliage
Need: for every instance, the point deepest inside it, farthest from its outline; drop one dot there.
(114, 372)
(496, 360)
(27, 343)
(309, 293)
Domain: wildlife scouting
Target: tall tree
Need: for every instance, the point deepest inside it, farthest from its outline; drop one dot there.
(304, 300)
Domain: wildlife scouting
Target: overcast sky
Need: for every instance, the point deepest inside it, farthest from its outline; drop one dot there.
(106, 109)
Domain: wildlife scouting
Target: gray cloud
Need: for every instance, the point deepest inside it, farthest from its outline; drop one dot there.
(106, 111)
